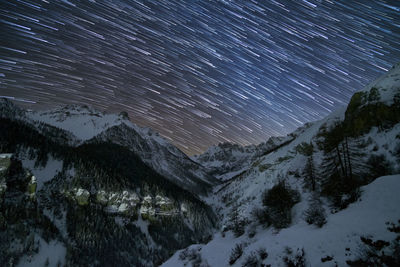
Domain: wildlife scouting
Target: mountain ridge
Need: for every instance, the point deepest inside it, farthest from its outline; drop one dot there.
(84, 124)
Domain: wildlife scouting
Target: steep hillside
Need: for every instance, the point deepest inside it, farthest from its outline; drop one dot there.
(341, 239)
(300, 200)
(163, 157)
(227, 160)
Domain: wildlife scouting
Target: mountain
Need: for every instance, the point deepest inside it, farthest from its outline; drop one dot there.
(80, 187)
(326, 197)
(226, 160)
(163, 157)
(85, 197)
(83, 124)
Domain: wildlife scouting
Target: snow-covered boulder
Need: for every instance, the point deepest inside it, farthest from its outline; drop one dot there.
(123, 202)
(79, 195)
(82, 196)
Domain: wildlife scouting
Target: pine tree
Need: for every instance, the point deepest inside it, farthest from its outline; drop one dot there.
(309, 172)
(315, 214)
(342, 165)
(237, 223)
(374, 95)
(377, 165)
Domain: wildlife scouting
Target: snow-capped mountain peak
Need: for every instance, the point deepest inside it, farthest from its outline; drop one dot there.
(82, 124)
(82, 121)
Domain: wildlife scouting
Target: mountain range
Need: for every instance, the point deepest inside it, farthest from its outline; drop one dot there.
(79, 187)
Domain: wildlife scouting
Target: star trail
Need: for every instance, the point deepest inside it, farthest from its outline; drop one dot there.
(198, 72)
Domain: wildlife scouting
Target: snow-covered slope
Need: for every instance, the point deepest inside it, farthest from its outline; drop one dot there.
(388, 85)
(9, 111)
(244, 191)
(227, 160)
(84, 122)
(339, 238)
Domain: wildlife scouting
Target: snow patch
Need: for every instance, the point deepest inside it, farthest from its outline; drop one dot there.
(43, 174)
(53, 251)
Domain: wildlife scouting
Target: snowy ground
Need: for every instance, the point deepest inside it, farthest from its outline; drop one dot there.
(53, 252)
(339, 238)
(43, 174)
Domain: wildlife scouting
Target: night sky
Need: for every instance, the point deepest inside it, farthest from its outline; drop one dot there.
(198, 72)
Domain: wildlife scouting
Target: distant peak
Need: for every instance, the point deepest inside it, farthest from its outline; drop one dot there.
(77, 107)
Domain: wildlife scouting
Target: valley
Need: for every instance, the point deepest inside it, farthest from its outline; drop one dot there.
(80, 187)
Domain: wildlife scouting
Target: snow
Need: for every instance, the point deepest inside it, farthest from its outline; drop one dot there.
(85, 123)
(226, 160)
(147, 210)
(82, 122)
(147, 199)
(54, 251)
(388, 84)
(112, 209)
(5, 155)
(81, 192)
(162, 200)
(184, 208)
(123, 207)
(143, 225)
(144, 228)
(378, 205)
(244, 191)
(385, 142)
(43, 174)
(229, 175)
